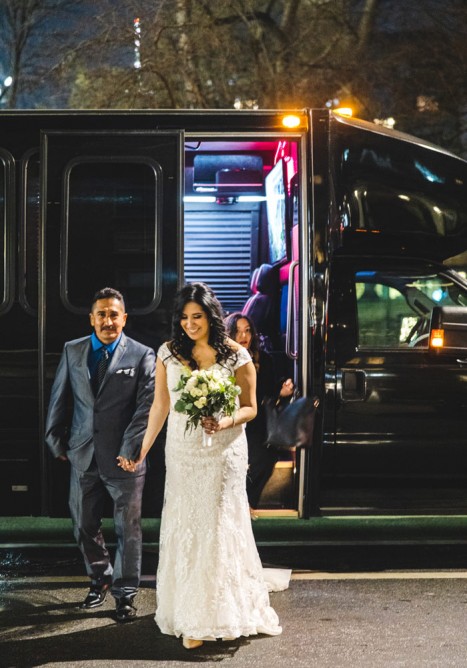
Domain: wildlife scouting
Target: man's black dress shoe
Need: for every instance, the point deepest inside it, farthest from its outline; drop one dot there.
(96, 597)
(126, 611)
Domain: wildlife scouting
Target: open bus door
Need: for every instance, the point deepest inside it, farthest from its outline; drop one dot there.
(246, 235)
(112, 200)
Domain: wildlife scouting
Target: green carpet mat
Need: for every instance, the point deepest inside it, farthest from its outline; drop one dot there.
(48, 531)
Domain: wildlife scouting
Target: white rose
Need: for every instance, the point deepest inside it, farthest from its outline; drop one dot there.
(201, 402)
(190, 384)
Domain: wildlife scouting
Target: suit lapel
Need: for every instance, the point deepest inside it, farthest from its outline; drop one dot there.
(116, 357)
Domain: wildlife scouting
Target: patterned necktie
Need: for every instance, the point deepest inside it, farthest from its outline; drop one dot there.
(101, 368)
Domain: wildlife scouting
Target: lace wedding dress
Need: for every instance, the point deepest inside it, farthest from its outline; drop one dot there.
(210, 581)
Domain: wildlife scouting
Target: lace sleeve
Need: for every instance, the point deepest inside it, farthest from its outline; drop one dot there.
(164, 353)
(243, 357)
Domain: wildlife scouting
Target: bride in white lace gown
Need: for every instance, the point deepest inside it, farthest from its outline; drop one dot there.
(210, 581)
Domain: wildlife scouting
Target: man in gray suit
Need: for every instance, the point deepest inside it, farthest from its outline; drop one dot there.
(110, 380)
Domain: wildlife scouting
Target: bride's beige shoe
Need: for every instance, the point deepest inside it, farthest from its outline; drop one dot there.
(253, 514)
(191, 643)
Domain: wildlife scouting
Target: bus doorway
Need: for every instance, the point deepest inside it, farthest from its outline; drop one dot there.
(241, 237)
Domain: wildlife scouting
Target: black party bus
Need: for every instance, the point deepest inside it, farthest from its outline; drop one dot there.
(345, 242)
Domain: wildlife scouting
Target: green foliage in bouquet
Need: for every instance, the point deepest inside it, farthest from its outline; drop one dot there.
(205, 393)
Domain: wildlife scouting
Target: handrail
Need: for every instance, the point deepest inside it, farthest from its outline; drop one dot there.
(290, 352)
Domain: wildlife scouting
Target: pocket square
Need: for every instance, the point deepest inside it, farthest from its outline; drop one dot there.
(127, 372)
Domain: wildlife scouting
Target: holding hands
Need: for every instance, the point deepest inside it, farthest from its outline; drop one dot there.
(210, 424)
(129, 465)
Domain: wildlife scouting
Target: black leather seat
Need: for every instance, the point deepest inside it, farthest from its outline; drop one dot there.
(260, 307)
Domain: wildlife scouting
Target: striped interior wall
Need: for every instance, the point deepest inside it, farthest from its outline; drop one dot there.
(218, 252)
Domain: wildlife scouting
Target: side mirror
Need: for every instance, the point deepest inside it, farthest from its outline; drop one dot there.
(448, 330)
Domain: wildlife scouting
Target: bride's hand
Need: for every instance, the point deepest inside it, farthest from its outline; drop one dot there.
(129, 465)
(210, 424)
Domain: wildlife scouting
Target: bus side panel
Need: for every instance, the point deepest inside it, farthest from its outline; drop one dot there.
(19, 427)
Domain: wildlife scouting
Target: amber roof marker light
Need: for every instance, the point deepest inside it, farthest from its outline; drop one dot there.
(291, 121)
(344, 111)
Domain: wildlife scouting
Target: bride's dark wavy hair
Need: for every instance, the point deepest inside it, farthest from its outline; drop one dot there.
(181, 345)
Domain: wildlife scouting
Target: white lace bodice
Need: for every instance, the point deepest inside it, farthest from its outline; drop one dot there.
(175, 367)
(177, 421)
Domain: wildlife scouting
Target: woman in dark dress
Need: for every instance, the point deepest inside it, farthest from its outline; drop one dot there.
(261, 459)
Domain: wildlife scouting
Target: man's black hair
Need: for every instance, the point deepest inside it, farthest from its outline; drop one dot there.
(108, 293)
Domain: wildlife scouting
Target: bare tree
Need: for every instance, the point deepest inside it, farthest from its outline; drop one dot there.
(30, 32)
(195, 53)
(391, 58)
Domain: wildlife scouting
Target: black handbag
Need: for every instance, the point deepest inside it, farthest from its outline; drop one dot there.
(292, 426)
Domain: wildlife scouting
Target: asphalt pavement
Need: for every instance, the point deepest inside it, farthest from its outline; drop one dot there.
(382, 618)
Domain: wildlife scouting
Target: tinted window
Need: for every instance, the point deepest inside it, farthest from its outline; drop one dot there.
(110, 236)
(31, 230)
(7, 231)
(401, 194)
(385, 210)
(3, 272)
(394, 309)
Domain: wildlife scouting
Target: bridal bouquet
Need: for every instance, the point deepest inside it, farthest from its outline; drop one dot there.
(205, 392)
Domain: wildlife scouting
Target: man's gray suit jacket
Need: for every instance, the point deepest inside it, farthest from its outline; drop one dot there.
(109, 424)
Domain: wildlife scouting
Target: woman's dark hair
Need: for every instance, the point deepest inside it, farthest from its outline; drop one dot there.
(181, 344)
(231, 324)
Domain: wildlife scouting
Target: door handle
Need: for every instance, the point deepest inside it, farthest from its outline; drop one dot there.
(353, 385)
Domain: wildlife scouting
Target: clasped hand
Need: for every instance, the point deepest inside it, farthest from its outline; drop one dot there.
(210, 424)
(128, 464)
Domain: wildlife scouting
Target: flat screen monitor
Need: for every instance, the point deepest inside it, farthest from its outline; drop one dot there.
(276, 193)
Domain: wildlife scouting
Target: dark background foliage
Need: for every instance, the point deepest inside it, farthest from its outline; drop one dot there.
(385, 58)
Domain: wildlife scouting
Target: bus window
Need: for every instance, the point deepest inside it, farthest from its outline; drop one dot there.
(30, 231)
(384, 317)
(394, 309)
(7, 288)
(110, 231)
(5, 259)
